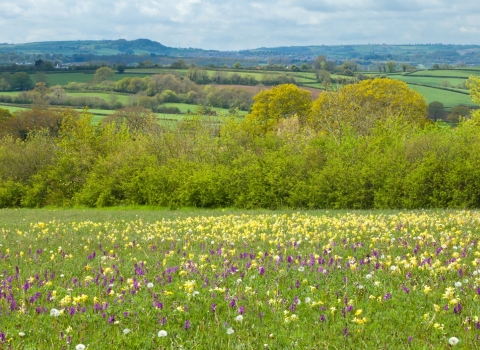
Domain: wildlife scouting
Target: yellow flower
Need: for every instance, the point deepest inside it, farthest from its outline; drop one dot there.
(427, 289)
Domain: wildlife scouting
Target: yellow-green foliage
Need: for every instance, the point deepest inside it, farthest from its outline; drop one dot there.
(381, 155)
(359, 107)
(271, 106)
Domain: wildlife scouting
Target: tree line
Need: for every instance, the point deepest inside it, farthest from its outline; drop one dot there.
(367, 145)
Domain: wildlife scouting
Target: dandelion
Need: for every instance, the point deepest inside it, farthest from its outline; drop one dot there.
(162, 333)
(54, 312)
(150, 285)
(458, 284)
(230, 331)
(453, 341)
(80, 347)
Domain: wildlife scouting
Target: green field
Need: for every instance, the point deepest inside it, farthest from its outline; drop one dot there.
(227, 279)
(431, 81)
(447, 73)
(448, 98)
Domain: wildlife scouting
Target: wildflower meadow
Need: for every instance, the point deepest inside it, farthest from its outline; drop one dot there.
(239, 280)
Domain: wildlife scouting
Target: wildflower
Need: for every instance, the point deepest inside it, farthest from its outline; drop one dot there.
(21, 334)
(453, 341)
(239, 318)
(301, 269)
(54, 312)
(230, 331)
(150, 285)
(126, 331)
(80, 347)
(368, 276)
(427, 289)
(162, 333)
(458, 284)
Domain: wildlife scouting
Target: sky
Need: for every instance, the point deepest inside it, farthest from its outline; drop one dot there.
(243, 24)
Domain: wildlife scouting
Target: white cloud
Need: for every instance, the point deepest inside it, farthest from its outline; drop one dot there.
(228, 24)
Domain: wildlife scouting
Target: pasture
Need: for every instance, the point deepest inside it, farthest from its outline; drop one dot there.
(226, 279)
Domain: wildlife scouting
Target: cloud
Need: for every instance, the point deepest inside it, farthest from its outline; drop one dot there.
(232, 25)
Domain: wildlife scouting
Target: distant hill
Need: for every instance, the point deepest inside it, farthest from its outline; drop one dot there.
(110, 50)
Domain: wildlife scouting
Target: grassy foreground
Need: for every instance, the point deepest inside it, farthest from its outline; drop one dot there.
(153, 279)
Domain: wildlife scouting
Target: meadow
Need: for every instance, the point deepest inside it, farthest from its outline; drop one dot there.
(226, 279)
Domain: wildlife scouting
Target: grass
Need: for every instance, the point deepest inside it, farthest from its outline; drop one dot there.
(431, 81)
(147, 279)
(447, 73)
(448, 98)
(12, 109)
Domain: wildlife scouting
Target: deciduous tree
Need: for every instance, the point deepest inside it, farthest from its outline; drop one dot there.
(358, 107)
(271, 106)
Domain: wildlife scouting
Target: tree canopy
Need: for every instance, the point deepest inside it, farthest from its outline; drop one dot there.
(280, 102)
(358, 107)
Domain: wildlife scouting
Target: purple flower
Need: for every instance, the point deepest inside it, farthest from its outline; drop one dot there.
(187, 325)
(387, 296)
(233, 303)
(111, 319)
(213, 307)
(261, 270)
(241, 310)
(322, 318)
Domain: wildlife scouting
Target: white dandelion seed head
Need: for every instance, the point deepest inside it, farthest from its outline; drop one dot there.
(21, 334)
(301, 269)
(80, 347)
(368, 276)
(150, 285)
(458, 284)
(239, 318)
(308, 300)
(453, 341)
(54, 312)
(162, 333)
(230, 331)
(126, 331)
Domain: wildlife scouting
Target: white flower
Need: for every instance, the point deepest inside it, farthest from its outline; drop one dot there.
(475, 272)
(162, 333)
(54, 312)
(393, 268)
(239, 318)
(368, 276)
(308, 300)
(80, 347)
(453, 341)
(239, 281)
(458, 284)
(21, 334)
(301, 269)
(195, 293)
(230, 331)
(150, 285)
(126, 331)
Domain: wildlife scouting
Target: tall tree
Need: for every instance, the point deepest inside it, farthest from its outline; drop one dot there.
(359, 107)
(436, 110)
(274, 105)
(103, 73)
(21, 81)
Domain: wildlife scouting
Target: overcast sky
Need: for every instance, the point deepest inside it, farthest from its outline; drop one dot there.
(243, 24)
